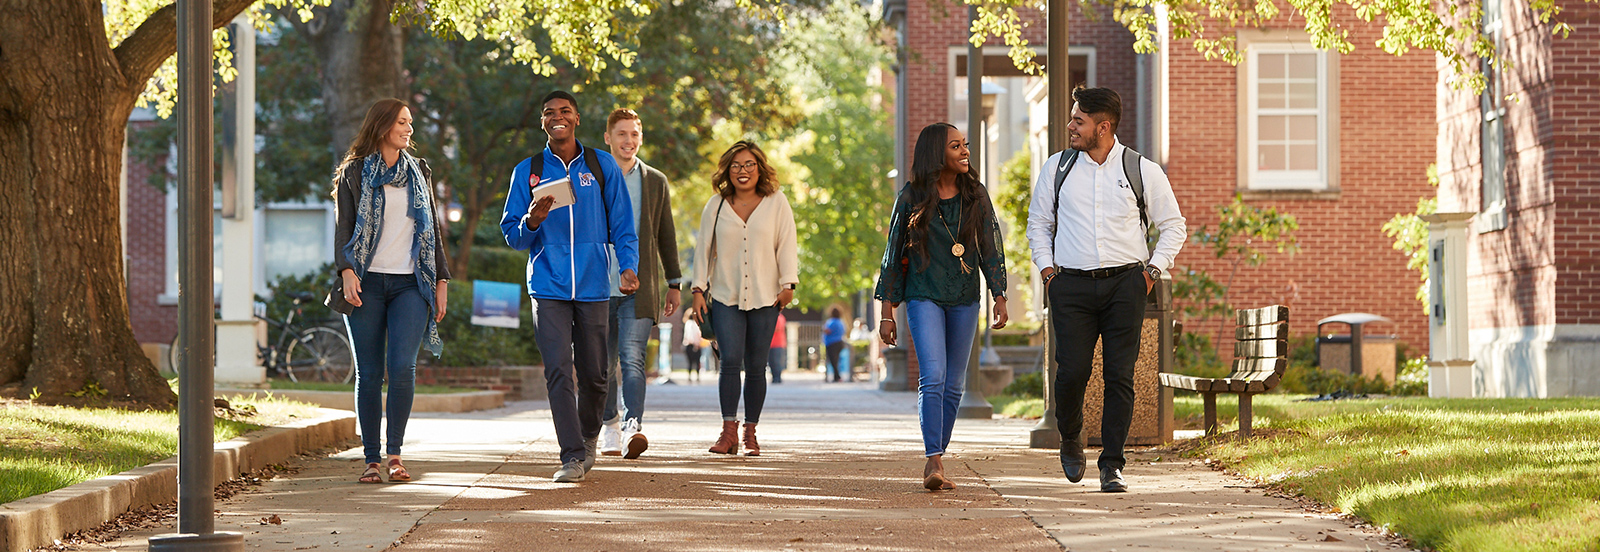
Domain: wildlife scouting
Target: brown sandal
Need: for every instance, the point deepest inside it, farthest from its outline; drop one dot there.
(397, 472)
(372, 475)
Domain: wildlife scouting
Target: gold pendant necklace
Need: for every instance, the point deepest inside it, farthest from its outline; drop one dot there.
(958, 250)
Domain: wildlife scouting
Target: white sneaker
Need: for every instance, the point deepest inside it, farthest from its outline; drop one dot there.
(611, 440)
(637, 443)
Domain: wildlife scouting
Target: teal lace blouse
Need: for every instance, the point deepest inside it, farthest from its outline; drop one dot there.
(905, 274)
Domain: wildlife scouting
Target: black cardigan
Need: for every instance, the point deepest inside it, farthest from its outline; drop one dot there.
(345, 193)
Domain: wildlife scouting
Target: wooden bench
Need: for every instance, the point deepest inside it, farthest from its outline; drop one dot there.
(1259, 361)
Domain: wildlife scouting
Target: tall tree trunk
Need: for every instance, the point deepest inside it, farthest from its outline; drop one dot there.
(360, 55)
(65, 98)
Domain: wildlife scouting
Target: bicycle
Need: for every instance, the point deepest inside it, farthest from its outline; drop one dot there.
(315, 353)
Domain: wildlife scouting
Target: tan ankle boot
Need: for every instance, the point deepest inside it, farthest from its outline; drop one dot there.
(751, 448)
(728, 442)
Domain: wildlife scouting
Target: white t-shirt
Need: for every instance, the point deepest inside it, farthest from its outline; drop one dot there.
(393, 255)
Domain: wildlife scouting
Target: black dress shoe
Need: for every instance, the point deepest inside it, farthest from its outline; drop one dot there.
(1111, 481)
(1072, 461)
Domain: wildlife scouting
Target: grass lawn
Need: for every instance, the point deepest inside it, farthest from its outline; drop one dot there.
(326, 386)
(1011, 406)
(1453, 475)
(44, 448)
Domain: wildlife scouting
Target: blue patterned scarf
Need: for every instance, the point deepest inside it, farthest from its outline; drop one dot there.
(369, 226)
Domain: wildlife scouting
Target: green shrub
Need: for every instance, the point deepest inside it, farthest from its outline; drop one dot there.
(1029, 386)
(1307, 379)
(499, 264)
(469, 345)
(1413, 377)
(1195, 356)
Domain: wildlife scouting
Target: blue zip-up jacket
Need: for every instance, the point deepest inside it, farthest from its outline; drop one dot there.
(567, 258)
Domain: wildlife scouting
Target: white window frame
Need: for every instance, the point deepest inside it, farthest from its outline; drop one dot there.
(1256, 179)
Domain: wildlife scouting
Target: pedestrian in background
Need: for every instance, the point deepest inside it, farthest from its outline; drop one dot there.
(833, 343)
(744, 274)
(633, 316)
(568, 273)
(691, 345)
(942, 233)
(777, 357)
(392, 270)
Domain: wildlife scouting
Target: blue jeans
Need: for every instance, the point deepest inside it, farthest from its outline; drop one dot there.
(943, 337)
(386, 332)
(629, 337)
(744, 339)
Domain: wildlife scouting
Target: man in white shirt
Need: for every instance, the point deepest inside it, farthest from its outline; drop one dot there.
(1088, 228)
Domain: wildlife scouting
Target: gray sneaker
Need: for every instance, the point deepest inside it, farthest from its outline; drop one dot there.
(570, 472)
(590, 450)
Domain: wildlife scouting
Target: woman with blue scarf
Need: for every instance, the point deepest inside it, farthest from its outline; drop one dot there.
(393, 271)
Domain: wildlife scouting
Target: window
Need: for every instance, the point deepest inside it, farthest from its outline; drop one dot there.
(1287, 142)
(296, 242)
(1491, 129)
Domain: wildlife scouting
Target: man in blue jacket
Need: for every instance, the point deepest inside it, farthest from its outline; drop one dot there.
(568, 273)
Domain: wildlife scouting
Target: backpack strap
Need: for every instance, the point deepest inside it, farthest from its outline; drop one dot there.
(1134, 170)
(1065, 166)
(592, 159)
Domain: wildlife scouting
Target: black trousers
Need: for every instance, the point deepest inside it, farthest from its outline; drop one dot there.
(1085, 310)
(572, 339)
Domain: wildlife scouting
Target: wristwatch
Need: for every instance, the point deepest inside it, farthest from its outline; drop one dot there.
(1153, 272)
(788, 287)
(673, 286)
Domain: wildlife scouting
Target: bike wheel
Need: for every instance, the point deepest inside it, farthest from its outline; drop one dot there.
(320, 354)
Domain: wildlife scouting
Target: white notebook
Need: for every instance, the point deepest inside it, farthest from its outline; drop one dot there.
(560, 189)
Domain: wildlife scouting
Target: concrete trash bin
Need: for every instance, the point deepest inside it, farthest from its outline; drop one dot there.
(1376, 357)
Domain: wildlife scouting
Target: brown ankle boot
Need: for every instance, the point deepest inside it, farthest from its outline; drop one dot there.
(751, 448)
(728, 442)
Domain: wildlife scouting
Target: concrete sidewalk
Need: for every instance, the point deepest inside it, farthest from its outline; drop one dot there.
(840, 469)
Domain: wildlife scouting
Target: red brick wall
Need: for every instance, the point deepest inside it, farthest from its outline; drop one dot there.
(147, 252)
(933, 27)
(1386, 141)
(1512, 273)
(1575, 106)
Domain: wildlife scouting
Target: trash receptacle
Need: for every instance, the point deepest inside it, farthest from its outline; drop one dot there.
(1358, 352)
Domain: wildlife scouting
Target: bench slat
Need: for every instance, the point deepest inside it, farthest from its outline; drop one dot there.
(1267, 331)
(1259, 365)
(1261, 348)
(1263, 315)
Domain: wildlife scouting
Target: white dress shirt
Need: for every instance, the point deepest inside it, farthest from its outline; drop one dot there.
(1098, 224)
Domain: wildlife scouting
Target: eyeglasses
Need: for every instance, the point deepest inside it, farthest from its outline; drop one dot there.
(743, 167)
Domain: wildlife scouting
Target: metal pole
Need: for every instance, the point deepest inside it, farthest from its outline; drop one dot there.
(973, 404)
(196, 524)
(1045, 434)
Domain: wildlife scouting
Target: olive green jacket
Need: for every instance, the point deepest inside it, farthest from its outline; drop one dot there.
(658, 244)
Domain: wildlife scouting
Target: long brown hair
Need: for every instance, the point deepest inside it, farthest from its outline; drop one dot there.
(922, 194)
(380, 118)
(766, 177)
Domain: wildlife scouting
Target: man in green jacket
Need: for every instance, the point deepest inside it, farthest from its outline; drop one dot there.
(634, 316)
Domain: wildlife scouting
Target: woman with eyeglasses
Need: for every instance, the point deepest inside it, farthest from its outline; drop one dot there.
(745, 271)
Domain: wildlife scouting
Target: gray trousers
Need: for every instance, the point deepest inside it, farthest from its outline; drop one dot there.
(572, 339)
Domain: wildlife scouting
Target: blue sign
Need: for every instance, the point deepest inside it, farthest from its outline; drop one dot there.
(497, 304)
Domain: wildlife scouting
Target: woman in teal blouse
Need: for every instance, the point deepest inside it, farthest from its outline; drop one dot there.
(942, 234)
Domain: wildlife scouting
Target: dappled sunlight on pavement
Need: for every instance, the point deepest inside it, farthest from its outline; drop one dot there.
(840, 469)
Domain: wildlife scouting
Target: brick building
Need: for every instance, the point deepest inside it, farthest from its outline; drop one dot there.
(1344, 145)
(1521, 157)
(292, 238)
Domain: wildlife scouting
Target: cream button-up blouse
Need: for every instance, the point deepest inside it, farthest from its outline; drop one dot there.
(754, 259)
